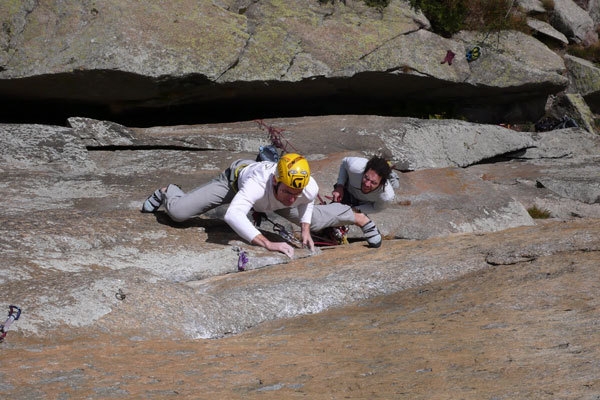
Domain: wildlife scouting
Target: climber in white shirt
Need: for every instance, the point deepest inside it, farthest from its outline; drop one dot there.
(249, 185)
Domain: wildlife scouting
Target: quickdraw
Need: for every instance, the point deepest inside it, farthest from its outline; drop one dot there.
(277, 228)
(242, 260)
(286, 235)
(242, 263)
(14, 313)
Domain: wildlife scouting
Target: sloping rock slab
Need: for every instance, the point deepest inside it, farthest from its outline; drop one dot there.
(580, 181)
(439, 202)
(78, 254)
(568, 160)
(567, 143)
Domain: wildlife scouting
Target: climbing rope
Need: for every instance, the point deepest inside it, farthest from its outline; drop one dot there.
(276, 137)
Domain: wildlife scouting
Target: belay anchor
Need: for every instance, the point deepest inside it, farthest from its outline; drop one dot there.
(14, 313)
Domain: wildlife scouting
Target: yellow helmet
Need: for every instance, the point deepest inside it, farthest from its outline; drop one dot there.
(293, 171)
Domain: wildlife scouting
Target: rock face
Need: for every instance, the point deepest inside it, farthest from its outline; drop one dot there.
(575, 22)
(110, 294)
(73, 228)
(508, 301)
(524, 329)
(585, 80)
(199, 60)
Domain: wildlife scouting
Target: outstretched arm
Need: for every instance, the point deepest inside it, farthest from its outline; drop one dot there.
(282, 247)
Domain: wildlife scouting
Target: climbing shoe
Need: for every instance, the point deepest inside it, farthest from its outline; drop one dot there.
(372, 234)
(153, 202)
(473, 54)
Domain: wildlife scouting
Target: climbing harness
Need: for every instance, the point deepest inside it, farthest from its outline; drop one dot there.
(234, 176)
(277, 228)
(14, 313)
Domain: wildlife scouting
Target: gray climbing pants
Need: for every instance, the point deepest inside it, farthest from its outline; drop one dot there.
(324, 215)
(181, 206)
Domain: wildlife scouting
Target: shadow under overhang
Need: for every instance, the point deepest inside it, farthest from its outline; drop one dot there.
(135, 100)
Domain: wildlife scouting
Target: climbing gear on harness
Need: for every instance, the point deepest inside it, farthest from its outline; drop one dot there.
(14, 313)
(340, 234)
(331, 236)
(293, 171)
(474, 53)
(233, 177)
(449, 57)
(277, 228)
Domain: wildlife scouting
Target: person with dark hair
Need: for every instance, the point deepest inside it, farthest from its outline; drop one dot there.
(363, 186)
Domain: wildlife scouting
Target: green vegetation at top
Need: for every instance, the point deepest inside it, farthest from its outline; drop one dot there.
(377, 3)
(590, 53)
(450, 16)
(370, 3)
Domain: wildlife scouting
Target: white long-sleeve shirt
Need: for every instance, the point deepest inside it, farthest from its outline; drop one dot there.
(256, 190)
(350, 176)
